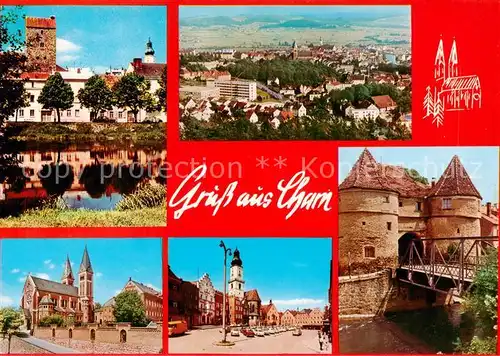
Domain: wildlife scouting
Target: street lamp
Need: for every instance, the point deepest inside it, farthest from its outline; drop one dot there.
(227, 251)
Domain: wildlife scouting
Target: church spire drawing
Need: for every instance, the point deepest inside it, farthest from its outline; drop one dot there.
(450, 92)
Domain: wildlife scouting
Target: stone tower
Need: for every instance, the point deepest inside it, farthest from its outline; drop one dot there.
(149, 55)
(295, 50)
(41, 44)
(86, 288)
(454, 204)
(236, 281)
(368, 216)
(67, 277)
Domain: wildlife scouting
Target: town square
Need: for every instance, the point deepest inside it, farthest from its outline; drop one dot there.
(275, 299)
(52, 303)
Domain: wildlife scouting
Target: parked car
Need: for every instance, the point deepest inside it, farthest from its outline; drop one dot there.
(247, 332)
(178, 327)
(235, 332)
(266, 331)
(297, 332)
(259, 333)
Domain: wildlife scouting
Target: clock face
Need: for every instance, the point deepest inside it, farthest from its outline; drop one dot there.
(28, 295)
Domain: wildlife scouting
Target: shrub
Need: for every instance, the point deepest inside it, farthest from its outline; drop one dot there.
(148, 195)
(52, 320)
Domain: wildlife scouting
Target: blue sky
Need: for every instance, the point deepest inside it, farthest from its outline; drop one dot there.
(320, 11)
(113, 262)
(103, 36)
(481, 163)
(293, 272)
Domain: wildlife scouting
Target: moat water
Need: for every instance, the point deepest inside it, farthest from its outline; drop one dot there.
(94, 177)
(426, 331)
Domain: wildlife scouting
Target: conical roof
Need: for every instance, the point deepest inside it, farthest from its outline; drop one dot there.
(455, 181)
(86, 266)
(365, 174)
(68, 272)
(236, 258)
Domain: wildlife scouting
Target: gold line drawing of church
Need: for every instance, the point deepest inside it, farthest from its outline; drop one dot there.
(451, 92)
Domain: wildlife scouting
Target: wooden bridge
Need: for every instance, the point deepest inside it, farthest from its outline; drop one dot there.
(444, 264)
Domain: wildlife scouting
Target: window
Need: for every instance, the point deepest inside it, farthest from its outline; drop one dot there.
(120, 114)
(389, 225)
(400, 204)
(458, 231)
(42, 44)
(239, 285)
(369, 252)
(387, 199)
(446, 203)
(21, 112)
(364, 223)
(418, 206)
(32, 113)
(77, 113)
(68, 113)
(111, 114)
(32, 98)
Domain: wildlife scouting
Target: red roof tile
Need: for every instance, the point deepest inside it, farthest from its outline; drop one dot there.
(252, 295)
(38, 22)
(383, 101)
(455, 181)
(365, 174)
(149, 70)
(35, 75)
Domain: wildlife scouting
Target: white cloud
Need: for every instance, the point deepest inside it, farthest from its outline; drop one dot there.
(65, 46)
(15, 270)
(22, 279)
(47, 262)
(43, 275)
(6, 301)
(98, 274)
(67, 58)
(299, 302)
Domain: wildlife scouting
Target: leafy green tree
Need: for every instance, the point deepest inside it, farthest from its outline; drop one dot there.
(482, 303)
(129, 308)
(54, 319)
(161, 92)
(416, 176)
(13, 62)
(132, 92)
(96, 96)
(10, 322)
(56, 94)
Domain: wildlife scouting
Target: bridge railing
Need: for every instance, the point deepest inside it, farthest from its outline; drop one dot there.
(456, 258)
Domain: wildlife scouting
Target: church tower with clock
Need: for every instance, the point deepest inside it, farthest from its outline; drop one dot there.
(236, 281)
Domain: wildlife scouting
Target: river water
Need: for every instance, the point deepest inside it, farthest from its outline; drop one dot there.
(93, 177)
(426, 331)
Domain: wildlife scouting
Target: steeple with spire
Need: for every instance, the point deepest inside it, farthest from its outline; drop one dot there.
(440, 63)
(236, 281)
(453, 61)
(67, 277)
(149, 55)
(86, 288)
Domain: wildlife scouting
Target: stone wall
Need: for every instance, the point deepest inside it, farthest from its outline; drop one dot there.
(138, 336)
(363, 295)
(43, 59)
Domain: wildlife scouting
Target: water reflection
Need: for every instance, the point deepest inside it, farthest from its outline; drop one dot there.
(92, 178)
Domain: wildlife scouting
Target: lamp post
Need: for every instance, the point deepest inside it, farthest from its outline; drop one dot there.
(227, 251)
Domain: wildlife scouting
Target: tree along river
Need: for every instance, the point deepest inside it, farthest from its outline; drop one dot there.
(424, 331)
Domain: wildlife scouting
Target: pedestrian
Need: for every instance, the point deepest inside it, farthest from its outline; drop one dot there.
(320, 340)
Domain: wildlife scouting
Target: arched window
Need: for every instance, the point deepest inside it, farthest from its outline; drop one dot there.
(123, 336)
(92, 335)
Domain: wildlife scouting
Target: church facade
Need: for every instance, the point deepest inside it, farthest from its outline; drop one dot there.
(75, 303)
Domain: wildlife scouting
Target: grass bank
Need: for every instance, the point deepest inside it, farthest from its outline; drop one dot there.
(138, 134)
(88, 218)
